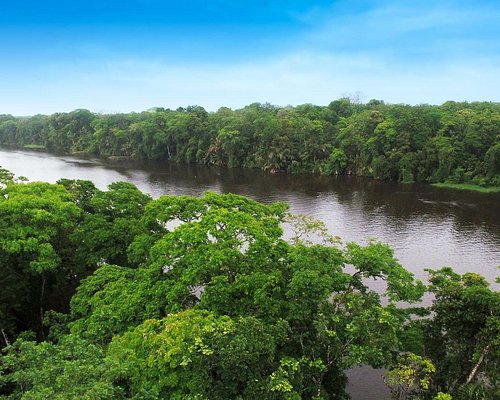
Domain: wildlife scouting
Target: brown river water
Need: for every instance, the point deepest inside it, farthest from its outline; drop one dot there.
(427, 227)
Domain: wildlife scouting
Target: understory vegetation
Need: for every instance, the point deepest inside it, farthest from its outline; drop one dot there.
(454, 142)
(113, 295)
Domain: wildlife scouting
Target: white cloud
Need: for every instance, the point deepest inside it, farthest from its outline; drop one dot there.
(290, 79)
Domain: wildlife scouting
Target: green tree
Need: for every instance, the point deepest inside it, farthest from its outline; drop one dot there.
(411, 377)
(462, 339)
(224, 254)
(111, 223)
(452, 142)
(69, 370)
(36, 220)
(195, 354)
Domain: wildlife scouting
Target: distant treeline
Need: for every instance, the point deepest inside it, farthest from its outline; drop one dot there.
(454, 142)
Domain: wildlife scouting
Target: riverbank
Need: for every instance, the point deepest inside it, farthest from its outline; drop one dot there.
(34, 147)
(390, 142)
(83, 154)
(466, 186)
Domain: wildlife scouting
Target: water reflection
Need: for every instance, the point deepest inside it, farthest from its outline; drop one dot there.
(428, 227)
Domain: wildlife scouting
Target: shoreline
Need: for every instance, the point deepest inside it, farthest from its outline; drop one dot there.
(467, 186)
(83, 154)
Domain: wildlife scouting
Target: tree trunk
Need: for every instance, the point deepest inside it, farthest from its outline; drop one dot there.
(473, 373)
(5, 338)
(41, 306)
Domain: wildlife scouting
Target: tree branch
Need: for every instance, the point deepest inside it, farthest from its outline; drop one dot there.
(474, 370)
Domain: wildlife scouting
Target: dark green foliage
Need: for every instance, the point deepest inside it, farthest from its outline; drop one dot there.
(463, 338)
(52, 236)
(36, 220)
(454, 142)
(72, 369)
(223, 256)
(202, 298)
(111, 223)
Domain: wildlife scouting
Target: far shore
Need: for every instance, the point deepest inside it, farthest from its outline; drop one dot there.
(466, 186)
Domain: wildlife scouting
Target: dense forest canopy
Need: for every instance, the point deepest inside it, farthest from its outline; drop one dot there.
(454, 142)
(113, 295)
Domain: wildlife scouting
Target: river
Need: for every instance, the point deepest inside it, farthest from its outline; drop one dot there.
(427, 227)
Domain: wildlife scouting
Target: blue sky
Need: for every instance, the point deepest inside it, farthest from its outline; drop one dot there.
(120, 56)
